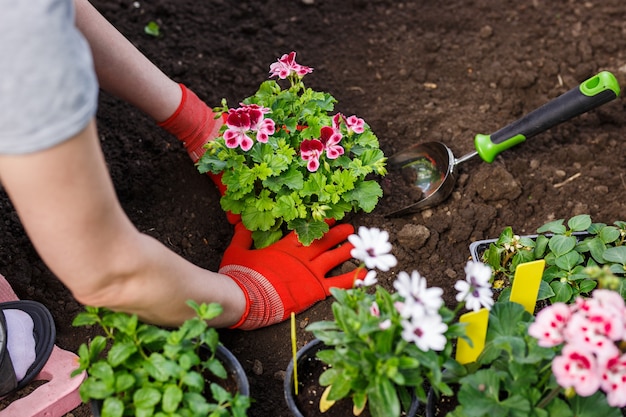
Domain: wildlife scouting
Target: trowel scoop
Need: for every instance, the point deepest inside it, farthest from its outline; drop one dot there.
(431, 166)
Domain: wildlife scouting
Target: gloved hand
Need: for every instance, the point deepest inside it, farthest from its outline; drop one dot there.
(194, 124)
(286, 276)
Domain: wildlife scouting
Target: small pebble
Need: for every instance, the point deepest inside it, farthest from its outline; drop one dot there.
(257, 367)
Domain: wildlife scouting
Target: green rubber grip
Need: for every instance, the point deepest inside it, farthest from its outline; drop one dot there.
(592, 93)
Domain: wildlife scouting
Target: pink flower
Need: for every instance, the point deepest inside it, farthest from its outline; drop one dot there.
(287, 65)
(356, 124)
(330, 138)
(247, 118)
(549, 325)
(311, 150)
(374, 309)
(238, 124)
(614, 381)
(577, 368)
(265, 129)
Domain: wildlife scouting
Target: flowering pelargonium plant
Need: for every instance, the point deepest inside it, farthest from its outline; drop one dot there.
(566, 361)
(289, 161)
(383, 346)
(591, 333)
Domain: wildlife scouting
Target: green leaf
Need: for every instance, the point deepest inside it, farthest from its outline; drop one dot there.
(383, 400)
(216, 367)
(255, 219)
(562, 291)
(172, 397)
(219, 393)
(365, 195)
(596, 248)
(329, 376)
(541, 244)
(561, 244)
(196, 403)
(96, 388)
(555, 227)
(194, 381)
(263, 239)
(292, 179)
(146, 397)
(545, 291)
(501, 318)
(127, 324)
(85, 319)
(152, 29)
(160, 368)
(593, 406)
(615, 254)
(97, 345)
(609, 234)
(559, 408)
(112, 407)
(120, 351)
(308, 231)
(587, 285)
(579, 223)
(123, 381)
(568, 260)
(285, 208)
(480, 394)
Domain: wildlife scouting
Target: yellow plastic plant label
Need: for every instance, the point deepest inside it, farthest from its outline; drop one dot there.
(526, 284)
(476, 330)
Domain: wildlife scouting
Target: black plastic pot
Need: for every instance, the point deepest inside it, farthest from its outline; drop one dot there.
(478, 247)
(230, 362)
(431, 404)
(308, 351)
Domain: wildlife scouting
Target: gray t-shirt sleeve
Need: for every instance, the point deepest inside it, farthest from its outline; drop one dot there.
(48, 87)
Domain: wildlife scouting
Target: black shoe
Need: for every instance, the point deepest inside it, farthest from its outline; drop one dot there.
(44, 332)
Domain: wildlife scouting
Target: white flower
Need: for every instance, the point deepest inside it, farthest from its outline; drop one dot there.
(372, 247)
(368, 281)
(385, 324)
(418, 300)
(478, 274)
(426, 332)
(476, 289)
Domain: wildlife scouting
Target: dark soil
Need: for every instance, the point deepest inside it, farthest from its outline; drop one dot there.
(416, 71)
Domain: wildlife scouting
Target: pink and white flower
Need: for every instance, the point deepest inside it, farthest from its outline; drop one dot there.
(374, 309)
(287, 66)
(614, 380)
(549, 325)
(355, 124)
(245, 120)
(578, 368)
(330, 138)
(311, 150)
(238, 125)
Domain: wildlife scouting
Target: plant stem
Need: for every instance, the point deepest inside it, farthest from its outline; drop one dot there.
(555, 391)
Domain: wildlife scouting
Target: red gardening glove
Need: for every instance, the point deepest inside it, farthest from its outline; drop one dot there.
(194, 124)
(286, 276)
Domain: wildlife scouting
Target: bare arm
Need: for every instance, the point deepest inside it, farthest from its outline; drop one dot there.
(123, 70)
(66, 201)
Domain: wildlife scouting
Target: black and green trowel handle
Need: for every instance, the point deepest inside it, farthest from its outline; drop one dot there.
(594, 92)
